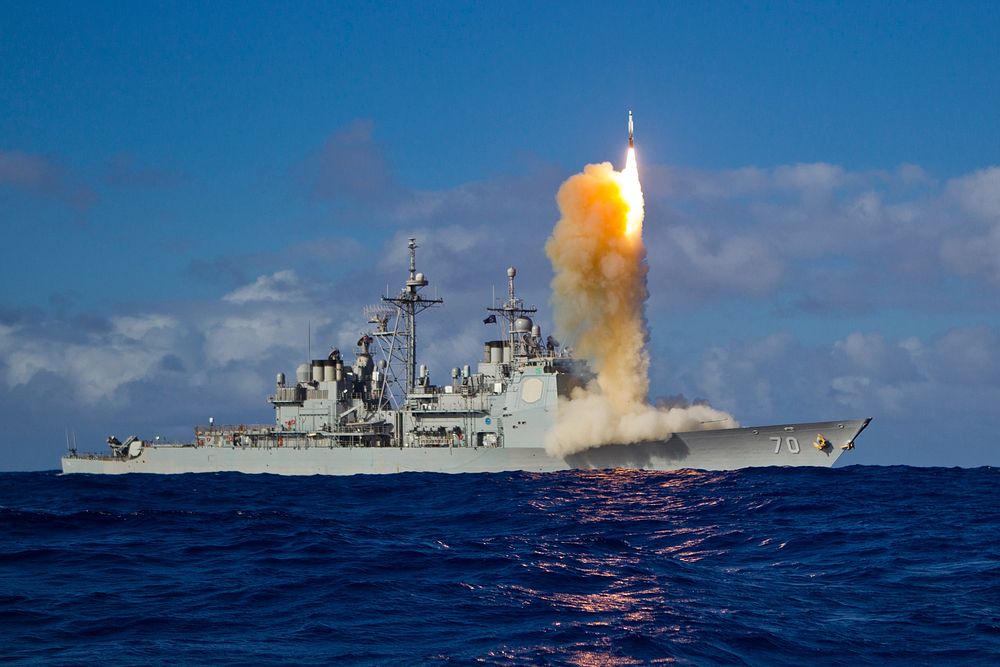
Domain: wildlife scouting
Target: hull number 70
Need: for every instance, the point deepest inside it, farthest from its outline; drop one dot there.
(791, 442)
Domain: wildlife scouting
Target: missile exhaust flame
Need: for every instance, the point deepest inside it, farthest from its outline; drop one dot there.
(599, 293)
(631, 190)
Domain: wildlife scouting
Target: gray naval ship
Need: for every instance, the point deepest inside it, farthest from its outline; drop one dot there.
(382, 414)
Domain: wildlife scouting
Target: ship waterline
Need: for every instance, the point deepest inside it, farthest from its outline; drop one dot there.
(781, 445)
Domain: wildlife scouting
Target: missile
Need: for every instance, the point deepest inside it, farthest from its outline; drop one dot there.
(631, 143)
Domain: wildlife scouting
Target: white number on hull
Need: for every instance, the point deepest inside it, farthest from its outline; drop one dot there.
(791, 442)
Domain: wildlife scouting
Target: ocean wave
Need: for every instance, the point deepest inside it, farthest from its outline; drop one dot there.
(858, 565)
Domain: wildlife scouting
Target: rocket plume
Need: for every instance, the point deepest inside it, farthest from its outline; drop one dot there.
(598, 296)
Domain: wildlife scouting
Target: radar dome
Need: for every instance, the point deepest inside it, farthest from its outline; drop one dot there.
(511, 272)
(302, 373)
(522, 325)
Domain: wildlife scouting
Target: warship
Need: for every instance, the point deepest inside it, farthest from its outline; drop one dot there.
(382, 414)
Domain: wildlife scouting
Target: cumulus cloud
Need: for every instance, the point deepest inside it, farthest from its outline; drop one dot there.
(96, 365)
(978, 193)
(821, 234)
(976, 255)
(967, 356)
(809, 178)
(871, 354)
(973, 249)
(781, 378)
(238, 338)
(694, 258)
(281, 286)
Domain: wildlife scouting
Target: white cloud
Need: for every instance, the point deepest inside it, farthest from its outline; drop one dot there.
(694, 259)
(281, 286)
(864, 351)
(978, 193)
(809, 178)
(97, 365)
(243, 337)
(852, 391)
(976, 255)
(779, 229)
(138, 328)
(968, 356)
(779, 377)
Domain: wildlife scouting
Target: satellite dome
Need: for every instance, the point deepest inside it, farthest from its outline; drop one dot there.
(511, 271)
(522, 325)
(302, 373)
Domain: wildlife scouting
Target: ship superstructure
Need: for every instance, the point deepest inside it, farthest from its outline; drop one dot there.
(382, 413)
(392, 402)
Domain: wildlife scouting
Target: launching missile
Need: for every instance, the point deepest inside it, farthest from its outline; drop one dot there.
(631, 143)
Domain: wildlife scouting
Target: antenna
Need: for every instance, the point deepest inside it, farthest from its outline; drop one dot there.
(409, 303)
(512, 309)
(309, 339)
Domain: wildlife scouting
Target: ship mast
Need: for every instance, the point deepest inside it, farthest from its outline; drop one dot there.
(512, 309)
(409, 303)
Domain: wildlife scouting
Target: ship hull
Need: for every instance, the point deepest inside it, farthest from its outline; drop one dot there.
(725, 449)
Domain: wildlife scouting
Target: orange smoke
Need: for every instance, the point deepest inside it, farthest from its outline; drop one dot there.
(599, 295)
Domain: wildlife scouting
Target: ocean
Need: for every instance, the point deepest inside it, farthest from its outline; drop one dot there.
(851, 566)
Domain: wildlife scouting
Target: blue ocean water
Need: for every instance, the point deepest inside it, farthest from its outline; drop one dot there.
(853, 566)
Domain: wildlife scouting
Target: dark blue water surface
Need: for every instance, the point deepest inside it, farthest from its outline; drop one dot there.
(860, 565)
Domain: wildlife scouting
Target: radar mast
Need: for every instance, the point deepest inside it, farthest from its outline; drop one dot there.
(513, 310)
(399, 344)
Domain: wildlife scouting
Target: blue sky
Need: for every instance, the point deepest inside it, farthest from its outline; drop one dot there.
(183, 187)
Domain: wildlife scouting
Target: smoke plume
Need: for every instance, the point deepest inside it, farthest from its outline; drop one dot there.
(598, 295)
